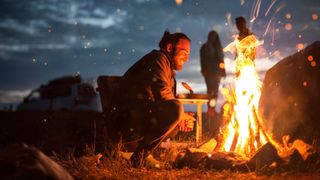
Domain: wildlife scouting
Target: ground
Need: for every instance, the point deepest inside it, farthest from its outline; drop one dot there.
(87, 168)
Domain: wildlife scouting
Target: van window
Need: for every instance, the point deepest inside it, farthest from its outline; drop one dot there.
(55, 91)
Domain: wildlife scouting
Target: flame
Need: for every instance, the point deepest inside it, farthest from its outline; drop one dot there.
(243, 131)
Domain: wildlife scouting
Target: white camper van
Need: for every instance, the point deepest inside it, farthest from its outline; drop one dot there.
(67, 93)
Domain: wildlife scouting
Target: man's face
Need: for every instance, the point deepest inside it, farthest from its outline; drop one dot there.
(181, 53)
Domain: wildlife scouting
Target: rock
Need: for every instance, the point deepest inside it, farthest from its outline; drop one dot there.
(225, 161)
(189, 158)
(21, 161)
(197, 158)
(290, 97)
(264, 157)
(296, 162)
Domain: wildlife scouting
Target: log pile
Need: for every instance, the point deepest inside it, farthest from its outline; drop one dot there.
(298, 157)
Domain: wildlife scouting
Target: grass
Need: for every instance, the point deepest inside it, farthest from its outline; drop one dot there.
(112, 166)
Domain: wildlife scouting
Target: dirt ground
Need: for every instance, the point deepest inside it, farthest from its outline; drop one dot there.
(87, 167)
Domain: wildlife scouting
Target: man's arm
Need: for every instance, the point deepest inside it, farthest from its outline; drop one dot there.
(161, 80)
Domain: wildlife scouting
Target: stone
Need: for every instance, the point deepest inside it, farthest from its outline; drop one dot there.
(21, 161)
(290, 97)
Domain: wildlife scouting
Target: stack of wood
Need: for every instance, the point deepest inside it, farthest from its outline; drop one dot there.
(297, 156)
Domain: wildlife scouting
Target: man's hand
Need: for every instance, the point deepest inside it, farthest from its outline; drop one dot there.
(186, 122)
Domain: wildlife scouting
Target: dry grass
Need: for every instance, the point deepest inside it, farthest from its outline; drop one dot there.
(112, 166)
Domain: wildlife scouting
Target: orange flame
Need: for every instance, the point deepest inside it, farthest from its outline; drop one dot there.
(243, 131)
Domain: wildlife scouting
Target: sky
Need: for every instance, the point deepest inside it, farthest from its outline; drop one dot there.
(45, 39)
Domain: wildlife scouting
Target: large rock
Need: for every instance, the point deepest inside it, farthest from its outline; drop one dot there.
(21, 161)
(290, 99)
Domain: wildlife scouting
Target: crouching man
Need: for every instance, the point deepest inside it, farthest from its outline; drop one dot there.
(144, 108)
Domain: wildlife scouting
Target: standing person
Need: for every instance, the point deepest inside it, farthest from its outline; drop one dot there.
(144, 108)
(212, 69)
(246, 39)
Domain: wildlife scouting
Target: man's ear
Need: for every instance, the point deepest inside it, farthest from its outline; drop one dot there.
(169, 48)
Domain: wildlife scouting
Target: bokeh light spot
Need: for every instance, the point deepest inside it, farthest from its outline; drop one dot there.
(299, 46)
(288, 16)
(314, 16)
(179, 2)
(288, 26)
(310, 58)
(305, 83)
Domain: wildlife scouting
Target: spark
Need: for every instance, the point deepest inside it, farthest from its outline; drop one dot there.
(273, 29)
(268, 26)
(270, 6)
(255, 10)
(280, 7)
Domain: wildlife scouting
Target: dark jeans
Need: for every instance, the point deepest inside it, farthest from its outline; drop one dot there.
(146, 125)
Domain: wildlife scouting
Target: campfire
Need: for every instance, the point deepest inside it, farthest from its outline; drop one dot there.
(243, 131)
(243, 143)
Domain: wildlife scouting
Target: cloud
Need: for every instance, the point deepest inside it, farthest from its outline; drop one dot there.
(13, 96)
(82, 14)
(27, 47)
(30, 27)
(100, 22)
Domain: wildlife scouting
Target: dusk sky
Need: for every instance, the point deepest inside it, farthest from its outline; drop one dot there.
(45, 39)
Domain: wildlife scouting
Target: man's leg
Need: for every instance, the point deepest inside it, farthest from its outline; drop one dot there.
(160, 123)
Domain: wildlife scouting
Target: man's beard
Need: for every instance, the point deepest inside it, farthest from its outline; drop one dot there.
(176, 67)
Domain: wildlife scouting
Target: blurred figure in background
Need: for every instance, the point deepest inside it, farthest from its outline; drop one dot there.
(212, 69)
(244, 32)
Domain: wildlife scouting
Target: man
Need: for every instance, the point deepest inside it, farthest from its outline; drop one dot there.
(246, 39)
(245, 46)
(144, 108)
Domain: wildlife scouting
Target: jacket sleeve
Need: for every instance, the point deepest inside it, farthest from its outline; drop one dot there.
(162, 81)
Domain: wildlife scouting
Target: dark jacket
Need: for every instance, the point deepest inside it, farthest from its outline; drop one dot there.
(210, 59)
(148, 81)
